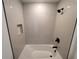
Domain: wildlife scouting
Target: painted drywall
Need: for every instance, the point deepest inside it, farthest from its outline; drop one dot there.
(6, 47)
(39, 20)
(73, 49)
(14, 14)
(64, 25)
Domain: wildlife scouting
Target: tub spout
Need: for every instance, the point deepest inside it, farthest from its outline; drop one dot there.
(55, 47)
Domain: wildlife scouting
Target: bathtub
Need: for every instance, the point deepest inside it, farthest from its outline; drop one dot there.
(39, 52)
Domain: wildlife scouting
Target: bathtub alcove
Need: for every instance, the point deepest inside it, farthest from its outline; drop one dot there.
(36, 26)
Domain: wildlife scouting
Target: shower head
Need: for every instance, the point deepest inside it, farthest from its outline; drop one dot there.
(60, 10)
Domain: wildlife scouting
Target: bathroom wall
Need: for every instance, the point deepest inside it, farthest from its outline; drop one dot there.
(6, 47)
(73, 49)
(65, 25)
(39, 20)
(14, 14)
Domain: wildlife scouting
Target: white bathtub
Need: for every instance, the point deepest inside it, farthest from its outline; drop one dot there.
(39, 52)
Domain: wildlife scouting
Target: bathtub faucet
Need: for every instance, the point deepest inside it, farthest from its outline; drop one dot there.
(55, 48)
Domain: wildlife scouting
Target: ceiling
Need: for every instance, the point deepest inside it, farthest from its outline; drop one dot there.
(25, 1)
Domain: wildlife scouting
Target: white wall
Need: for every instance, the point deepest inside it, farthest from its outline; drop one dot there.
(15, 16)
(73, 49)
(65, 25)
(6, 47)
(39, 20)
